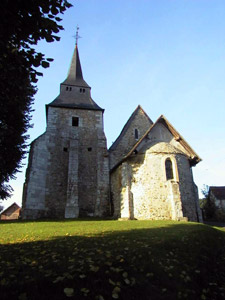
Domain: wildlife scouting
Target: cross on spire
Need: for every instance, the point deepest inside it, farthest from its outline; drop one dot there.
(77, 35)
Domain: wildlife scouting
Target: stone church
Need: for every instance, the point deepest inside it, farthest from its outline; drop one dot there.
(145, 174)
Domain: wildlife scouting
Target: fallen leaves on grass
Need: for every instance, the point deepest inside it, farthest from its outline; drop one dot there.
(94, 268)
(85, 291)
(69, 292)
(115, 292)
(122, 264)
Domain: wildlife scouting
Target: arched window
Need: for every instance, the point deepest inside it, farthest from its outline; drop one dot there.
(169, 169)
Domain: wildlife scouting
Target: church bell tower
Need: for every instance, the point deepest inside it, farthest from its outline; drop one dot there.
(68, 171)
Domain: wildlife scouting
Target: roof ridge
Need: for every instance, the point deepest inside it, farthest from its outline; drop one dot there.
(9, 207)
(179, 138)
(126, 126)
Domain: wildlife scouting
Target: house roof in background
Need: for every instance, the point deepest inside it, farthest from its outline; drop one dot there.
(218, 192)
(14, 204)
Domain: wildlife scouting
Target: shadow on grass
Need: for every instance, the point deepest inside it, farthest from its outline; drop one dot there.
(216, 224)
(169, 262)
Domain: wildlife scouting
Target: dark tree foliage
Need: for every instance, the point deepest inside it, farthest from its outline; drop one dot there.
(207, 205)
(22, 24)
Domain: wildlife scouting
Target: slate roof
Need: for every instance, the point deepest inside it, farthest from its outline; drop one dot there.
(72, 102)
(75, 75)
(71, 99)
(218, 192)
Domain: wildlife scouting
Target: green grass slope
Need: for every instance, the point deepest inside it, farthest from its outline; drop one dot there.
(87, 259)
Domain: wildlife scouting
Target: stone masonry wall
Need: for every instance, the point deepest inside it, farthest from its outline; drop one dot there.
(187, 188)
(148, 189)
(69, 167)
(149, 195)
(140, 122)
(152, 196)
(93, 168)
(33, 204)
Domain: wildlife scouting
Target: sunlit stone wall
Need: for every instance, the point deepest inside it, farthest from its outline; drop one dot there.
(140, 188)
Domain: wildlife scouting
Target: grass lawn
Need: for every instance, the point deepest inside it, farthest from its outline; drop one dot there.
(93, 259)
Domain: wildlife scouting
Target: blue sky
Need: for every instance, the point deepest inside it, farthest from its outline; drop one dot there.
(166, 55)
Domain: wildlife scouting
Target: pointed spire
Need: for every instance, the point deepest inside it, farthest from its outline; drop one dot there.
(75, 76)
(75, 70)
(74, 91)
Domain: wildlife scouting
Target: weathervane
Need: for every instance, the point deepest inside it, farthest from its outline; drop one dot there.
(77, 35)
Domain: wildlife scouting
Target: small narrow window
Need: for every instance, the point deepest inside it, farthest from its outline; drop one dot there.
(80, 90)
(65, 149)
(70, 89)
(136, 134)
(83, 90)
(89, 149)
(169, 169)
(75, 121)
(67, 88)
